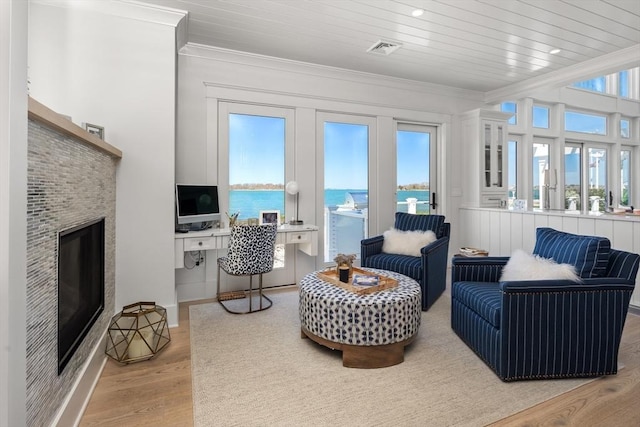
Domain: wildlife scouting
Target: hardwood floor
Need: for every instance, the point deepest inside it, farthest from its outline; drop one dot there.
(158, 392)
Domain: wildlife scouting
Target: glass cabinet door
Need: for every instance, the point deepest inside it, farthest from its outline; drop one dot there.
(499, 154)
(487, 154)
(493, 134)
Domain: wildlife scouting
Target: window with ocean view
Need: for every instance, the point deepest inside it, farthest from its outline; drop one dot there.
(625, 177)
(254, 142)
(256, 148)
(413, 167)
(540, 164)
(579, 157)
(346, 188)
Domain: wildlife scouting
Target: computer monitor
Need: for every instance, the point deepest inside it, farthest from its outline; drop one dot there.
(197, 204)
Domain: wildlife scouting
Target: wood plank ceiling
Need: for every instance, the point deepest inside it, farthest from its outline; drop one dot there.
(480, 45)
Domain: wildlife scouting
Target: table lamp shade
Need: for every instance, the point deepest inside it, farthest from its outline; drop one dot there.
(293, 189)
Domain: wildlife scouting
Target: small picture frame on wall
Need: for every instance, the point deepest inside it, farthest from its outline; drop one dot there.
(269, 217)
(94, 130)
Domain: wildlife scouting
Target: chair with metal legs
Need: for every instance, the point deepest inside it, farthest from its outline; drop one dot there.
(251, 251)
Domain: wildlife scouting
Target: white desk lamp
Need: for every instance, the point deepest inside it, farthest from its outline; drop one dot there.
(293, 189)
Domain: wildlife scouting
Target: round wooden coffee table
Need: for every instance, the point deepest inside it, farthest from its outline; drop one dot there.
(371, 330)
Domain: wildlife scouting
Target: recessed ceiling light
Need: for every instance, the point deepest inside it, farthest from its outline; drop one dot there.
(417, 12)
(554, 51)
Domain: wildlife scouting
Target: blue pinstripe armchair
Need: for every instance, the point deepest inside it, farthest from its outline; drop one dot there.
(429, 269)
(542, 329)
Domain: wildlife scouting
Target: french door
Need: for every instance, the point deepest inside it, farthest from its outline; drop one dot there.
(345, 145)
(255, 161)
(416, 176)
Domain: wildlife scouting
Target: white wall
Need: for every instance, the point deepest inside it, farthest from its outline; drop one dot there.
(120, 73)
(207, 75)
(13, 202)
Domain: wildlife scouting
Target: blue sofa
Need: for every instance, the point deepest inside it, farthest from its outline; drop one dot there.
(543, 329)
(429, 269)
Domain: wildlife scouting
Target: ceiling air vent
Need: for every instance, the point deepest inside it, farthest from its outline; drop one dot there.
(384, 48)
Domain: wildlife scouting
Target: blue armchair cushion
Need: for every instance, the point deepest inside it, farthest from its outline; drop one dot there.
(408, 265)
(588, 254)
(483, 298)
(410, 222)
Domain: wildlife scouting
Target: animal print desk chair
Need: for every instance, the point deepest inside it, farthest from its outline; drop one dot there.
(251, 251)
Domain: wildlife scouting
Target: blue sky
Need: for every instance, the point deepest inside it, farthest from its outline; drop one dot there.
(256, 149)
(256, 152)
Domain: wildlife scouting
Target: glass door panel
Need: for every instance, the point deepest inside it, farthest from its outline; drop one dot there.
(255, 155)
(346, 189)
(256, 141)
(572, 177)
(512, 169)
(625, 177)
(597, 193)
(415, 169)
(540, 163)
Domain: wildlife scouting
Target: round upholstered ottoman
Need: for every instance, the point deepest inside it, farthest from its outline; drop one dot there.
(371, 330)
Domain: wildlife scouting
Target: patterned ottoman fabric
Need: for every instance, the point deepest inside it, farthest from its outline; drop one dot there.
(380, 318)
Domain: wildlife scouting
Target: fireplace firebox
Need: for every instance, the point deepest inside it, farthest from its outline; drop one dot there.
(80, 285)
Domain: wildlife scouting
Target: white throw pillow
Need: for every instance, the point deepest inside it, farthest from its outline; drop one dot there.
(524, 266)
(406, 242)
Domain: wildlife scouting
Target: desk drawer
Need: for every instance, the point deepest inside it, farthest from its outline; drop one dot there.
(199, 244)
(299, 237)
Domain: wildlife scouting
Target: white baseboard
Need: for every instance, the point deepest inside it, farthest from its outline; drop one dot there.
(72, 409)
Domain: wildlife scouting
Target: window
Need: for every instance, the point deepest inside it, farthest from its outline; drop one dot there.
(624, 129)
(623, 84)
(597, 84)
(253, 142)
(540, 117)
(510, 107)
(251, 138)
(585, 123)
(594, 177)
(512, 168)
(625, 177)
(597, 175)
(346, 141)
(540, 163)
(572, 177)
(414, 160)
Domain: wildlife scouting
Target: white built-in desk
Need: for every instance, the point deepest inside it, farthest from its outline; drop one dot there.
(304, 236)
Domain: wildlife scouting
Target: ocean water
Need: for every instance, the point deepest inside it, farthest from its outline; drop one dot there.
(250, 202)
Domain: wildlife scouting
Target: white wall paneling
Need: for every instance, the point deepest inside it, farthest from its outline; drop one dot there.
(516, 233)
(570, 224)
(504, 220)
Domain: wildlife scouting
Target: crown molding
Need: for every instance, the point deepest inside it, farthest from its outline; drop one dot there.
(256, 60)
(124, 8)
(606, 64)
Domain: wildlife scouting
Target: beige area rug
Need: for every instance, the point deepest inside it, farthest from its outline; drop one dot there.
(255, 370)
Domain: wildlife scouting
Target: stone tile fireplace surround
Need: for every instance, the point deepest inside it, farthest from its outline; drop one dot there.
(71, 180)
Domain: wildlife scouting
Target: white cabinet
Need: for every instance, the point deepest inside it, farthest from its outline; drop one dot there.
(485, 137)
(494, 159)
